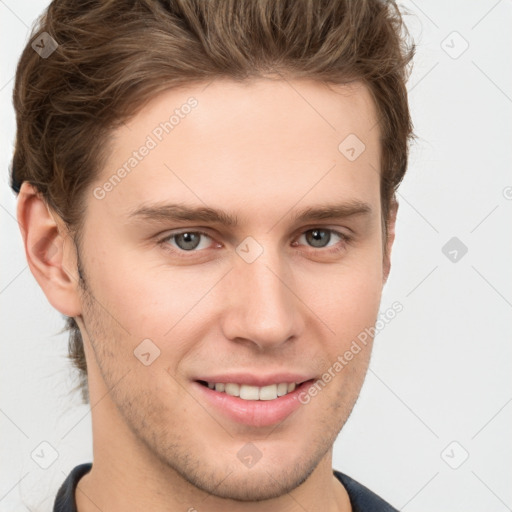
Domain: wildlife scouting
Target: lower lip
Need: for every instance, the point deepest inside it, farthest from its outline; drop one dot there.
(256, 413)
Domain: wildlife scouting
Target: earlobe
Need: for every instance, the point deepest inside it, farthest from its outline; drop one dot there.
(49, 251)
(391, 223)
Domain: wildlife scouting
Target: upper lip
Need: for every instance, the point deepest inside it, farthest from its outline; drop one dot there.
(257, 379)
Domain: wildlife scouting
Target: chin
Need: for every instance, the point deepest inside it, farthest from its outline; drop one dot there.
(255, 484)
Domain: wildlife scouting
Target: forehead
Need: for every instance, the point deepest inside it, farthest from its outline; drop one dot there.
(261, 145)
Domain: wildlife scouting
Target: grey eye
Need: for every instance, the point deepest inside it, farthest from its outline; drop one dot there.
(318, 237)
(188, 240)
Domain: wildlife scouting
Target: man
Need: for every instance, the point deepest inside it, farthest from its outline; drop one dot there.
(207, 193)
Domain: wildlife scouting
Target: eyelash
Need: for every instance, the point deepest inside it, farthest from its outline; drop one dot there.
(345, 239)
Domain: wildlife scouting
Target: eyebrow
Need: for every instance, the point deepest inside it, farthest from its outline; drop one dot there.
(179, 212)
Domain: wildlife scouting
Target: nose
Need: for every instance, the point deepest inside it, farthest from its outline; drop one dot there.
(261, 305)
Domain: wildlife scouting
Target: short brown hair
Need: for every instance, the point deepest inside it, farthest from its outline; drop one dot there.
(115, 55)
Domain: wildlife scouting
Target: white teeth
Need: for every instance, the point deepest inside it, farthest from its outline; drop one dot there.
(249, 392)
(282, 389)
(246, 392)
(268, 392)
(232, 389)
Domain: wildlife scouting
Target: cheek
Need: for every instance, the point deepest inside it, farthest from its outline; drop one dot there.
(146, 300)
(346, 293)
(349, 313)
(347, 301)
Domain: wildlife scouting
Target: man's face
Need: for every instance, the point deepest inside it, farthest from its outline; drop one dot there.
(274, 299)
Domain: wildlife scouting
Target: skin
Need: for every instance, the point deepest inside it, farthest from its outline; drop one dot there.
(261, 152)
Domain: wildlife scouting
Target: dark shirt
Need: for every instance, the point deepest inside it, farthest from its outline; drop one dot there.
(361, 498)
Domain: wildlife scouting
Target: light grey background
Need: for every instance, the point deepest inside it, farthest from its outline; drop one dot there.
(438, 388)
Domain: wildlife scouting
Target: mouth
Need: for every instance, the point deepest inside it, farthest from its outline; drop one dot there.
(248, 392)
(251, 405)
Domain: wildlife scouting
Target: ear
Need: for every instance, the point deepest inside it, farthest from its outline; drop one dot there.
(50, 251)
(391, 222)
